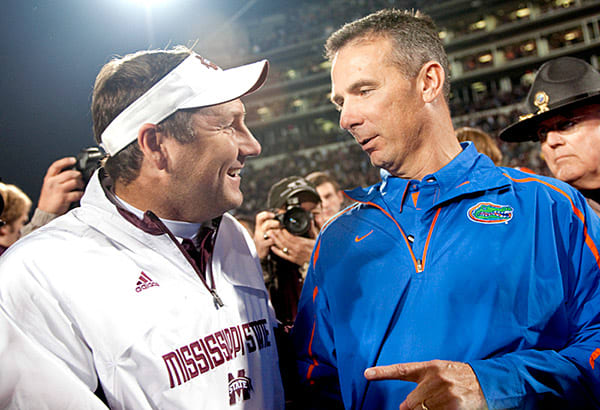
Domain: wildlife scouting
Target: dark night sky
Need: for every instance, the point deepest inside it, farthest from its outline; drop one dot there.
(50, 54)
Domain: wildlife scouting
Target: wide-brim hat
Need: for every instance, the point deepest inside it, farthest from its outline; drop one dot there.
(560, 84)
(283, 190)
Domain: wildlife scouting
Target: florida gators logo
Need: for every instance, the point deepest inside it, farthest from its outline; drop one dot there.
(489, 213)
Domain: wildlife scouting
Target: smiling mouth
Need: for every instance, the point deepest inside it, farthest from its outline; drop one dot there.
(234, 172)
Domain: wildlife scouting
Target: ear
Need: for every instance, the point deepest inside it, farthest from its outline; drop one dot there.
(431, 81)
(151, 142)
(5, 230)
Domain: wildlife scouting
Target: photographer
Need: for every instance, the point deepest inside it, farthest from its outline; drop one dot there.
(63, 186)
(284, 238)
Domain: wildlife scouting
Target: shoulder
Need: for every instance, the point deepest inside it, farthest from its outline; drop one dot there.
(51, 237)
(54, 251)
(556, 202)
(236, 254)
(526, 183)
(231, 231)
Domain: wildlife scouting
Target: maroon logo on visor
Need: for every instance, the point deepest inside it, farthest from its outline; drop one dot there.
(207, 63)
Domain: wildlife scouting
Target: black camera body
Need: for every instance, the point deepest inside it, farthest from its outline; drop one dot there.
(296, 220)
(88, 160)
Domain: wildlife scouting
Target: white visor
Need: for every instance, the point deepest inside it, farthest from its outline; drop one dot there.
(194, 83)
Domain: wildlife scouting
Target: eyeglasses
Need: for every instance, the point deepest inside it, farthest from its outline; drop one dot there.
(563, 127)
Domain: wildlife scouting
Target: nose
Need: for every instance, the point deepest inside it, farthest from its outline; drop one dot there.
(249, 146)
(553, 139)
(349, 117)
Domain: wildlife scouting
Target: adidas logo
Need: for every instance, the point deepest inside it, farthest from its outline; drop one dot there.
(144, 282)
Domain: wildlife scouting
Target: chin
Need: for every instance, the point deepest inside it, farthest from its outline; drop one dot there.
(234, 201)
(568, 176)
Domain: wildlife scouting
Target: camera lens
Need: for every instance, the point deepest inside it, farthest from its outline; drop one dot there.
(296, 220)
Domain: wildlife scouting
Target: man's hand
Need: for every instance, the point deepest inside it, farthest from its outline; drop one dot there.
(264, 224)
(295, 249)
(58, 189)
(440, 384)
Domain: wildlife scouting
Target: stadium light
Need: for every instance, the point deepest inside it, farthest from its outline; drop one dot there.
(148, 3)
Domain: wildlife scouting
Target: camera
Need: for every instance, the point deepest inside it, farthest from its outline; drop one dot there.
(296, 220)
(88, 160)
(284, 201)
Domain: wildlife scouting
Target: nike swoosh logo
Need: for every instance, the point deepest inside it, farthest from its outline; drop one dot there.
(358, 239)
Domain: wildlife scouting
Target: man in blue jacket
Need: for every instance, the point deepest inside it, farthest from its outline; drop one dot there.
(452, 283)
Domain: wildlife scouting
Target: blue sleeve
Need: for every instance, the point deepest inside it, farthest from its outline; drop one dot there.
(315, 352)
(568, 377)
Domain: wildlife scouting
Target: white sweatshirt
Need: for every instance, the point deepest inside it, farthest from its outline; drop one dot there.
(126, 307)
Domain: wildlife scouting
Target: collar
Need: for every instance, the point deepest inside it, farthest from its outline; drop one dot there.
(467, 173)
(180, 229)
(148, 221)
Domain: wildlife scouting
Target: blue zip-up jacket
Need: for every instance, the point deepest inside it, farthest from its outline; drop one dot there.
(475, 263)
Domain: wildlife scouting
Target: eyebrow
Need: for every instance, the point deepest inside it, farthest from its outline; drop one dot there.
(353, 89)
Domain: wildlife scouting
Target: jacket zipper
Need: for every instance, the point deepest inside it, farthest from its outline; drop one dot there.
(217, 300)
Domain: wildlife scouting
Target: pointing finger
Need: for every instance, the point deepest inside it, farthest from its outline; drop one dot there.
(411, 372)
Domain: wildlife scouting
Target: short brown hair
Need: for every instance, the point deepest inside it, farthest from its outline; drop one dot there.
(414, 37)
(122, 81)
(16, 203)
(319, 178)
(483, 142)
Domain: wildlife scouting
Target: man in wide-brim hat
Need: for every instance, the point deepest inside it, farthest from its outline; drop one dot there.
(564, 115)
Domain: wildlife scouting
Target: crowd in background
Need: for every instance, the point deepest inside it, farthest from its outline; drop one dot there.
(316, 20)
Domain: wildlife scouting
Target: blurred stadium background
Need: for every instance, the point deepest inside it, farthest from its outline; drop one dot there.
(494, 48)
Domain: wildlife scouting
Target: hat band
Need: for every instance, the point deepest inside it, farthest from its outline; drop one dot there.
(156, 104)
(547, 106)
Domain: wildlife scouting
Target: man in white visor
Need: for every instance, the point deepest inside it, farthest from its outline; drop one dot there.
(150, 293)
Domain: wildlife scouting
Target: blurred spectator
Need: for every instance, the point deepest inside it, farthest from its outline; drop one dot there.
(15, 214)
(483, 142)
(332, 197)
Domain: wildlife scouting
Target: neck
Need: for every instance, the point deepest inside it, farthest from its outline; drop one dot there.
(137, 194)
(154, 195)
(437, 147)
